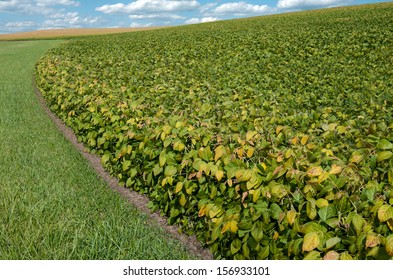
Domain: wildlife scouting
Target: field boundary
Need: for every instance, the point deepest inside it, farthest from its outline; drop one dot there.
(139, 201)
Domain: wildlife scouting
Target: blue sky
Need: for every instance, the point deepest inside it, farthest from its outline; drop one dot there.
(27, 15)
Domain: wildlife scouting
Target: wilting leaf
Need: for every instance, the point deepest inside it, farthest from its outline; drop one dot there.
(372, 240)
(336, 169)
(311, 241)
(314, 171)
(231, 226)
(385, 212)
(219, 152)
(291, 215)
(331, 255)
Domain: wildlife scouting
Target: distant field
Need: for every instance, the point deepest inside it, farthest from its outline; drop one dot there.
(70, 32)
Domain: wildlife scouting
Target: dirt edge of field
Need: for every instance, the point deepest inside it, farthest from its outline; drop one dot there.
(69, 33)
(139, 201)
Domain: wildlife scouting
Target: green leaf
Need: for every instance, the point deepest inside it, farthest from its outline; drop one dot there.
(384, 155)
(126, 165)
(331, 242)
(311, 210)
(105, 158)
(235, 246)
(358, 222)
(275, 211)
(263, 254)
(170, 171)
(327, 212)
(384, 144)
(257, 231)
(389, 245)
(313, 255)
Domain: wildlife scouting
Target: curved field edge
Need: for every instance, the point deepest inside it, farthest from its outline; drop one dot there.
(267, 137)
(52, 205)
(69, 33)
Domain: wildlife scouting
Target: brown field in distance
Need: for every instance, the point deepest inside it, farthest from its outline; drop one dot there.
(69, 32)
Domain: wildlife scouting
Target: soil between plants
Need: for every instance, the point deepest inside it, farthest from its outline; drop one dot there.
(139, 201)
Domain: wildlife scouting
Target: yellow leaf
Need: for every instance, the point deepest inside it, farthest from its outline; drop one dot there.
(332, 126)
(341, 129)
(314, 171)
(202, 211)
(356, 158)
(323, 177)
(336, 169)
(390, 224)
(321, 202)
(240, 152)
(231, 226)
(182, 200)
(279, 128)
(250, 152)
(291, 215)
(294, 140)
(179, 187)
(311, 241)
(219, 152)
(219, 175)
(250, 135)
(304, 140)
(385, 212)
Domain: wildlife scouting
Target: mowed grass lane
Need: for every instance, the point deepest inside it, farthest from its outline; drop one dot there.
(52, 204)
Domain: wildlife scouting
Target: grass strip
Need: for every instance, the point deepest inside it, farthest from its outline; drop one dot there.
(52, 204)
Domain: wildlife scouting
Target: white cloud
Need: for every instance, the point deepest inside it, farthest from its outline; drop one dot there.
(139, 25)
(46, 3)
(16, 26)
(241, 9)
(289, 4)
(34, 7)
(145, 6)
(68, 20)
(201, 20)
(163, 16)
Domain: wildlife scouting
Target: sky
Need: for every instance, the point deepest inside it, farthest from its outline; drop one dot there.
(28, 15)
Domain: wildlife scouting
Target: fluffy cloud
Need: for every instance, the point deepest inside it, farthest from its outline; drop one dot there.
(290, 4)
(45, 3)
(34, 7)
(241, 9)
(200, 20)
(16, 26)
(68, 20)
(163, 16)
(145, 6)
(140, 25)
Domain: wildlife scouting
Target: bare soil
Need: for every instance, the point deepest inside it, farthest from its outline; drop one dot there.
(136, 199)
(68, 32)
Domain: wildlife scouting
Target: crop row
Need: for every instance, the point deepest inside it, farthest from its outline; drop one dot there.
(267, 137)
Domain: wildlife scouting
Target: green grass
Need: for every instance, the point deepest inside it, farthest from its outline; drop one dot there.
(52, 205)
